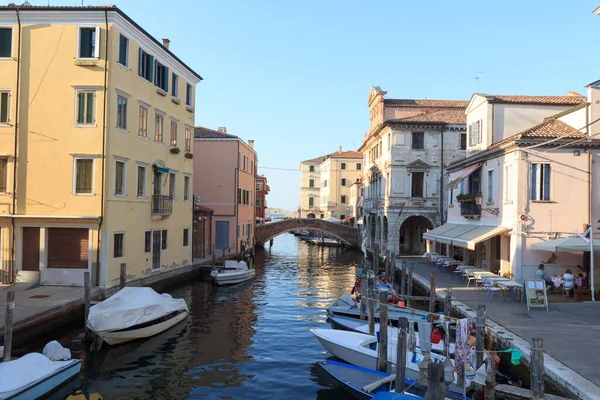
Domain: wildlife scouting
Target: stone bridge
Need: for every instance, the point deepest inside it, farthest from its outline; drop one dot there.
(346, 234)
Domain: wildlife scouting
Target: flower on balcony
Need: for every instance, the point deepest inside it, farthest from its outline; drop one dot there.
(465, 197)
(175, 150)
(188, 155)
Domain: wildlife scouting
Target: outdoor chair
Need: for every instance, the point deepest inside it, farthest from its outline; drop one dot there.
(568, 282)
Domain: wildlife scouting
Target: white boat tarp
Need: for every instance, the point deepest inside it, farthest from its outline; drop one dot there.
(132, 306)
(25, 370)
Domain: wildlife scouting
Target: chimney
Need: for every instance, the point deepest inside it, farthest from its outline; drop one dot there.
(339, 149)
(251, 143)
(166, 43)
(222, 129)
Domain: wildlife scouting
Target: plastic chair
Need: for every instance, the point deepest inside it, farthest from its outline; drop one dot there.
(568, 282)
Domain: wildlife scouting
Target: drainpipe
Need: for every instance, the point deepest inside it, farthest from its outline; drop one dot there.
(442, 178)
(16, 137)
(235, 197)
(591, 225)
(101, 219)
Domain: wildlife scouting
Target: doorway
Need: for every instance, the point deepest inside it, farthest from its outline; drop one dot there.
(156, 248)
(222, 235)
(31, 249)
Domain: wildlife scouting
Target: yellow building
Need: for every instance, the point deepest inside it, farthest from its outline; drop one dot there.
(96, 124)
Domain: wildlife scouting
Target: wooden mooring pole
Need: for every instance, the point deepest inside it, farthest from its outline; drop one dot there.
(480, 334)
(214, 257)
(383, 332)
(537, 369)
(8, 324)
(401, 354)
(403, 281)
(371, 308)
(447, 305)
(87, 284)
(123, 276)
(435, 381)
(363, 296)
(432, 279)
(409, 285)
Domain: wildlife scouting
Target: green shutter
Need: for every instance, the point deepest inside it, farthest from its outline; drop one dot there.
(4, 107)
(85, 42)
(89, 109)
(166, 79)
(5, 42)
(80, 107)
(141, 66)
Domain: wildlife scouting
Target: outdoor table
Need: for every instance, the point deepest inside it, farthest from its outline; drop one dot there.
(512, 286)
(558, 281)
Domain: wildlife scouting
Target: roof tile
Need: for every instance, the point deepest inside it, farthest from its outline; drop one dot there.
(426, 103)
(201, 132)
(571, 99)
(456, 117)
(549, 129)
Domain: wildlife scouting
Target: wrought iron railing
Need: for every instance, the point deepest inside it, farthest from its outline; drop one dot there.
(470, 209)
(162, 204)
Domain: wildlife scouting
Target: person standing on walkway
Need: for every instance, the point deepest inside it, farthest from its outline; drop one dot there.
(541, 274)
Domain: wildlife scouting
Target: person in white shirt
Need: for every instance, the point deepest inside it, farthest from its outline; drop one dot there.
(568, 281)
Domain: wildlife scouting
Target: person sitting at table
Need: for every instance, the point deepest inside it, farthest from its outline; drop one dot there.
(581, 276)
(541, 274)
(568, 282)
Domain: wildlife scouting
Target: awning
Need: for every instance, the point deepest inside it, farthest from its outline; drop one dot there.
(347, 219)
(161, 169)
(360, 203)
(462, 174)
(566, 245)
(463, 235)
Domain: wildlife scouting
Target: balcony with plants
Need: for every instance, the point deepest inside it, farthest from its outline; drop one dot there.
(470, 205)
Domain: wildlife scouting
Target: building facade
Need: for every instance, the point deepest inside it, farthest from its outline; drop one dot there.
(527, 180)
(262, 190)
(405, 150)
(325, 184)
(99, 186)
(225, 181)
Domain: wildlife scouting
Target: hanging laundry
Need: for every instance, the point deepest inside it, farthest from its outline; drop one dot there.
(462, 351)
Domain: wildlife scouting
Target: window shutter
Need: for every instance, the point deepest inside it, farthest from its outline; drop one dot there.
(80, 107)
(150, 68)
(96, 43)
(141, 67)
(90, 108)
(166, 79)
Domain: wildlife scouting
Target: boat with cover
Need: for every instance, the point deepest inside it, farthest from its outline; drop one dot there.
(347, 307)
(232, 272)
(34, 375)
(135, 313)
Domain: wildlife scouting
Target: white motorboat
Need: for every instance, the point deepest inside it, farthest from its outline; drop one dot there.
(232, 272)
(135, 313)
(347, 307)
(34, 375)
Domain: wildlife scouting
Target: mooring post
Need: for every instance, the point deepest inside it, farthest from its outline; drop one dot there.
(403, 281)
(371, 308)
(87, 294)
(447, 305)
(8, 324)
(401, 354)
(537, 369)
(363, 296)
(435, 381)
(409, 284)
(383, 332)
(432, 279)
(123, 276)
(490, 391)
(480, 334)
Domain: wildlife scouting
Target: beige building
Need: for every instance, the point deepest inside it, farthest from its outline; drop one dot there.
(325, 184)
(95, 151)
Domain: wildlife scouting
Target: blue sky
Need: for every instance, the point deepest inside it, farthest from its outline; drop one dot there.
(295, 75)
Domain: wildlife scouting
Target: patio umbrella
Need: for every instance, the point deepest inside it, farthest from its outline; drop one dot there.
(566, 245)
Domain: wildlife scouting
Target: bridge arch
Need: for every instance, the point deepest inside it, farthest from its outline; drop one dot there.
(346, 234)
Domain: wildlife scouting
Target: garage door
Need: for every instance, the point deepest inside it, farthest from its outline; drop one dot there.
(31, 249)
(68, 248)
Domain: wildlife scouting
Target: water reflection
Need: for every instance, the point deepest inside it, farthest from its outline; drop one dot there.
(249, 341)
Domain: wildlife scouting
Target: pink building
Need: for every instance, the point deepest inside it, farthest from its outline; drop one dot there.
(262, 190)
(225, 181)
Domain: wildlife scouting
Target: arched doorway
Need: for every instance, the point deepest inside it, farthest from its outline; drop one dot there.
(384, 236)
(411, 234)
(372, 231)
(311, 215)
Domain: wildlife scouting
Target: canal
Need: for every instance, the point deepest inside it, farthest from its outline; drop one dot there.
(248, 341)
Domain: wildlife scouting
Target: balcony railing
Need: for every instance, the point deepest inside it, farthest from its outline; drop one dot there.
(162, 205)
(470, 209)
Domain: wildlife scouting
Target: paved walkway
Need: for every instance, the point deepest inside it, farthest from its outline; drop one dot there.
(571, 330)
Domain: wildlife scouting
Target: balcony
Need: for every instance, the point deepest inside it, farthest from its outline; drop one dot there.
(470, 209)
(162, 205)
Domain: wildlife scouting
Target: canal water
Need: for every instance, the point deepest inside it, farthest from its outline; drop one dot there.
(248, 341)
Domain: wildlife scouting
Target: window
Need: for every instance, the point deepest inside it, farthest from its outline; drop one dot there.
(119, 178)
(147, 241)
(507, 184)
(186, 236)
(188, 139)
(146, 67)
(463, 141)
(121, 112)
(84, 170)
(118, 245)
(343, 181)
(540, 182)
(172, 186)
(343, 199)
(325, 183)
(258, 187)
(188, 95)
(164, 240)
(311, 168)
(173, 133)
(417, 184)
(342, 216)
(389, 140)
(4, 107)
(311, 183)
(343, 165)
(143, 131)
(174, 86)
(490, 188)
(451, 200)
(186, 188)
(3, 175)
(161, 77)
(418, 140)
(123, 51)
(311, 201)
(257, 202)
(85, 107)
(158, 128)
(5, 42)
(358, 166)
(239, 196)
(475, 133)
(88, 42)
(141, 181)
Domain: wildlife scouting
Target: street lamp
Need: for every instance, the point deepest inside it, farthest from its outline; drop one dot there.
(478, 199)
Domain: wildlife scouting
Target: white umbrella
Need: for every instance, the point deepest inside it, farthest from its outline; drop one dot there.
(566, 245)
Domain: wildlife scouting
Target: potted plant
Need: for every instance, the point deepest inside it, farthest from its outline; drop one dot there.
(175, 150)
(465, 197)
(583, 293)
(188, 155)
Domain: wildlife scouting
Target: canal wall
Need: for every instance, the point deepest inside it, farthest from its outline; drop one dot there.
(563, 380)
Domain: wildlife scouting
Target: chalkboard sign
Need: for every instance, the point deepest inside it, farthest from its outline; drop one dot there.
(535, 291)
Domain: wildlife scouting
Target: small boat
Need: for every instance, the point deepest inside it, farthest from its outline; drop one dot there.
(34, 375)
(347, 307)
(232, 272)
(135, 313)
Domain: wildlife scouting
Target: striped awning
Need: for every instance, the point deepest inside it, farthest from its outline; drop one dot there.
(461, 175)
(463, 235)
